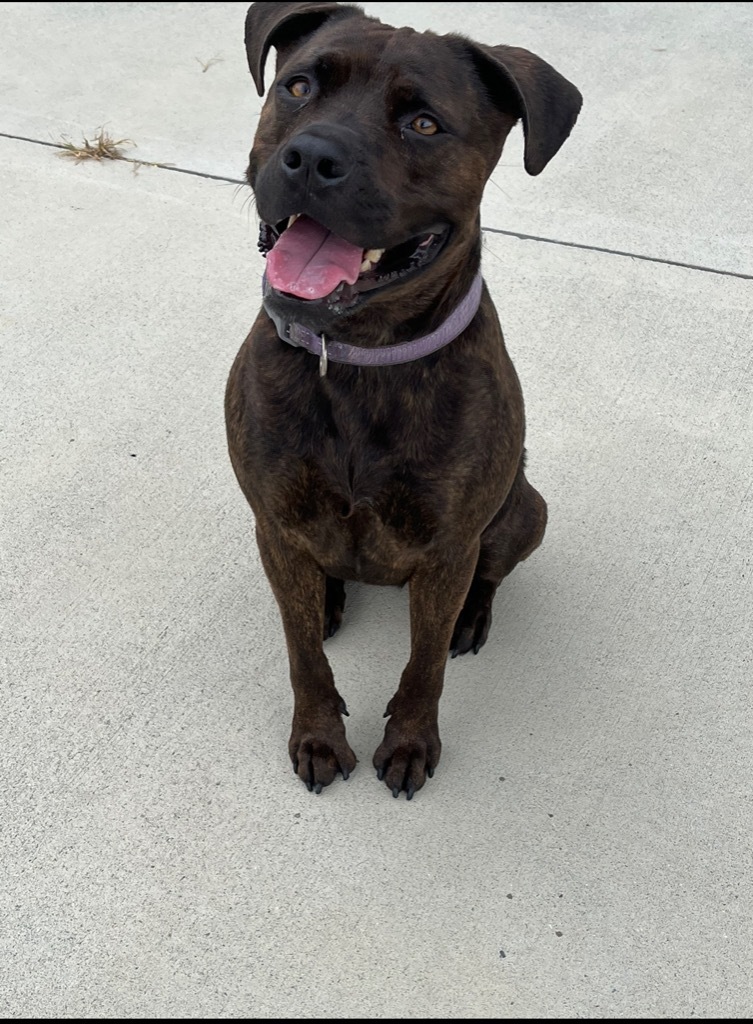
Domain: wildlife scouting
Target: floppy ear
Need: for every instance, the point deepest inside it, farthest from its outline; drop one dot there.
(280, 25)
(526, 86)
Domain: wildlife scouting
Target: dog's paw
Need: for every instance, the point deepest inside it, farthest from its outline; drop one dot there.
(334, 605)
(407, 755)
(319, 753)
(475, 619)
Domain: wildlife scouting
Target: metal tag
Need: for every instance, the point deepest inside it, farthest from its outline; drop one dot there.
(323, 359)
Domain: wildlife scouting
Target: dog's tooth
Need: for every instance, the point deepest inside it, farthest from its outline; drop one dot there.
(373, 255)
(293, 219)
(365, 266)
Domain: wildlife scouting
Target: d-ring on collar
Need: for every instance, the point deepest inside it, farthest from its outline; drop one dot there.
(387, 355)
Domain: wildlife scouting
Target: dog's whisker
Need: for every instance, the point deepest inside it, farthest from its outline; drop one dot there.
(488, 249)
(497, 185)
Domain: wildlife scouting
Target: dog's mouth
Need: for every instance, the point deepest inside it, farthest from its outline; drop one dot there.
(307, 261)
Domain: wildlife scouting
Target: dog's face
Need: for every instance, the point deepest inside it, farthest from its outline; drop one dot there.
(373, 149)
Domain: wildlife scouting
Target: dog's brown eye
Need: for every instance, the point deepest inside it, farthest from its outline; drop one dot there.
(300, 88)
(424, 125)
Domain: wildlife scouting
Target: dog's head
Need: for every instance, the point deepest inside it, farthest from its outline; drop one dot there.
(373, 149)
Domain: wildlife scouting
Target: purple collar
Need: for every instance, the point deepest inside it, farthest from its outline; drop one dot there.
(387, 355)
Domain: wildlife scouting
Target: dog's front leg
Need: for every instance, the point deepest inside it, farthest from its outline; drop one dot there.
(411, 746)
(318, 747)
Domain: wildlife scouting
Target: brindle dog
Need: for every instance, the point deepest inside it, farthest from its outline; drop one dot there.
(369, 162)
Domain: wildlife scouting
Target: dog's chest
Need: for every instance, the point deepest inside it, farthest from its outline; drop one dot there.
(351, 481)
(366, 471)
(361, 515)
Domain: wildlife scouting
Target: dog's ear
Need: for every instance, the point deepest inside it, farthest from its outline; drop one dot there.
(281, 25)
(525, 86)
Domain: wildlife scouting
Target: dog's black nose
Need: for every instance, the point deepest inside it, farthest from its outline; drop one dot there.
(317, 161)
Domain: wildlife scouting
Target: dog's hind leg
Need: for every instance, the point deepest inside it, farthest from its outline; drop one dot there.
(512, 535)
(334, 604)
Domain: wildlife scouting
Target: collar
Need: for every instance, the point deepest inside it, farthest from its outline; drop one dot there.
(387, 355)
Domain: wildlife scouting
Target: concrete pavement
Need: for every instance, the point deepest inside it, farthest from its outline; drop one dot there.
(585, 847)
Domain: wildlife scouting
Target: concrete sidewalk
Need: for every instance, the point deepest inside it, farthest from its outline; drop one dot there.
(585, 849)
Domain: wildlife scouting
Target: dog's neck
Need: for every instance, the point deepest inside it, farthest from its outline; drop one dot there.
(387, 355)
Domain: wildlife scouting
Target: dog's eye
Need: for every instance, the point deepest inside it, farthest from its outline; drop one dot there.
(424, 125)
(300, 88)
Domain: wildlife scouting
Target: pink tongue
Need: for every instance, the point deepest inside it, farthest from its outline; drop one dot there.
(308, 261)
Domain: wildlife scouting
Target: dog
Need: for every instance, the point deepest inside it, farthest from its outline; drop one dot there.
(375, 422)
